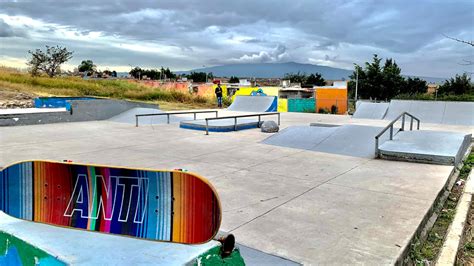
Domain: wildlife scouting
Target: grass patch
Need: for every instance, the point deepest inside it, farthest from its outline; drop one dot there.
(425, 252)
(117, 89)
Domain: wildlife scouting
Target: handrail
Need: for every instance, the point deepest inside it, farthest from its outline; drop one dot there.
(390, 126)
(240, 116)
(173, 113)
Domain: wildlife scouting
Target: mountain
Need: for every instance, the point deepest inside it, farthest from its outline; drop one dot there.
(272, 70)
(278, 70)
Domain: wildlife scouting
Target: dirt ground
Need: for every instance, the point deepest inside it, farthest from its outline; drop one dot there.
(15, 99)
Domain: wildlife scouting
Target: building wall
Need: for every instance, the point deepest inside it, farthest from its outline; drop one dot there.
(301, 105)
(327, 97)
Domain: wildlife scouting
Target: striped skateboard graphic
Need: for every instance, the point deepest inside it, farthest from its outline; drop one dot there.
(172, 206)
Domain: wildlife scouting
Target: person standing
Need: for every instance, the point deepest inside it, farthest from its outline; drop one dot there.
(218, 92)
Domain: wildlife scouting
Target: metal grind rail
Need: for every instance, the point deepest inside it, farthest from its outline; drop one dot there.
(390, 126)
(173, 113)
(235, 117)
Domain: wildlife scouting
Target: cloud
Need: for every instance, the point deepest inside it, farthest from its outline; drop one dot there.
(279, 54)
(8, 31)
(185, 34)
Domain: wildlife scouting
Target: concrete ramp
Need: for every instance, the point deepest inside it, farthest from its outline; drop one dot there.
(351, 140)
(459, 113)
(129, 116)
(254, 104)
(368, 110)
(436, 112)
(426, 146)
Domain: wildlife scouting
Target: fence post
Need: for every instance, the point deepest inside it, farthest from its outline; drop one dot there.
(391, 132)
(168, 118)
(136, 120)
(194, 116)
(278, 118)
(207, 127)
(235, 123)
(411, 123)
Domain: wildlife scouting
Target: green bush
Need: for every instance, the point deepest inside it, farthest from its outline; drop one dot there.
(323, 111)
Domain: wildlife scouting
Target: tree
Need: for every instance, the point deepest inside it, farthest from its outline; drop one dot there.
(167, 74)
(48, 61)
(296, 77)
(136, 72)
(315, 79)
(234, 80)
(87, 66)
(458, 85)
(376, 81)
(392, 80)
(414, 86)
(200, 76)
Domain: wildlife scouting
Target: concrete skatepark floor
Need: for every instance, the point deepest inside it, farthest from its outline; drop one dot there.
(308, 206)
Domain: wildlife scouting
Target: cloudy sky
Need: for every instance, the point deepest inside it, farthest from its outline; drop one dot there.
(190, 34)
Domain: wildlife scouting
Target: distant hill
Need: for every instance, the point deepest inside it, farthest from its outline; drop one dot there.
(273, 70)
(278, 70)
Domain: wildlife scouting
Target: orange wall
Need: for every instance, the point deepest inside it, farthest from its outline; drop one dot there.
(327, 97)
(203, 89)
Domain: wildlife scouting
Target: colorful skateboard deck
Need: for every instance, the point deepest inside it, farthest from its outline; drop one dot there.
(172, 206)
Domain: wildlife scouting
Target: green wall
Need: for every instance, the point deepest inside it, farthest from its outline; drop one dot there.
(306, 105)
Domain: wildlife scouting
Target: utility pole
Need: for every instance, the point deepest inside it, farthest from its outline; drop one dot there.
(357, 82)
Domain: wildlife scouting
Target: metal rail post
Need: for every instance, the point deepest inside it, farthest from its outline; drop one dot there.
(168, 118)
(403, 122)
(235, 123)
(376, 147)
(207, 127)
(136, 121)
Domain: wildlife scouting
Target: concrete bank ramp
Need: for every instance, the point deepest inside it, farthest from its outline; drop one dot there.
(254, 104)
(426, 146)
(436, 112)
(368, 110)
(129, 116)
(351, 140)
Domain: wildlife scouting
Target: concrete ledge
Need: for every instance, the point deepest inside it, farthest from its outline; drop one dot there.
(453, 238)
(81, 110)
